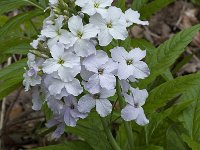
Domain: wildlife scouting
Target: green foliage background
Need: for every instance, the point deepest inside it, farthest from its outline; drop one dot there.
(173, 106)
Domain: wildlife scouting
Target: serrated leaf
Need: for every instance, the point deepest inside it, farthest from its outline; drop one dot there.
(191, 116)
(167, 53)
(168, 90)
(72, 145)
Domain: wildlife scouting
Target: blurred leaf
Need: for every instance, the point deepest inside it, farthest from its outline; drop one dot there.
(138, 4)
(174, 141)
(14, 22)
(168, 90)
(121, 4)
(3, 20)
(167, 53)
(72, 145)
(191, 143)
(147, 10)
(92, 131)
(12, 69)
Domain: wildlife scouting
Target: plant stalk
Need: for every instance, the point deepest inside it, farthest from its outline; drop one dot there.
(128, 128)
(109, 135)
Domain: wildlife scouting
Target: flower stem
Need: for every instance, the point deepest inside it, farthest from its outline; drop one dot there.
(126, 124)
(109, 135)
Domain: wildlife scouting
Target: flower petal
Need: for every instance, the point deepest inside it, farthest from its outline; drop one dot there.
(129, 113)
(104, 93)
(90, 31)
(86, 103)
(124, 71)
(137, 54)
(119, 54)
(104, 37)
(140, 96)
(74, 87)
(103, 107)
(84, 48)
(50, 65)
(140, 70)
(107, 81)
(141, 119)
(75, 24)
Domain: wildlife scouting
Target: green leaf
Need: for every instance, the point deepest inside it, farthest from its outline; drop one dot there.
(15, 45)
(10, 85)
(174, 141)
(159, 96)
(73, 145)
(191, 143)
(92, 131)
(121, 4)
(153, 7)
(12, 69)
(191, 116)
(18, 20)
(138, 4)
(167, 53)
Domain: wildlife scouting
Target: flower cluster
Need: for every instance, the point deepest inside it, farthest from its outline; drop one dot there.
(69, 58)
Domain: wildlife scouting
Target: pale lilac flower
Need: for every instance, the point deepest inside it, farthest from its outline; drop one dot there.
(67, 115)
(132, 16)
(130, 64)
(110, 27)
(134, 110)
(67, 64)
(96, 6)
(83, 45)
(36, 100)
(31, 77)
(103, 105)
(57, 121)
(103, 70)
(56, 34)
(56, 86)
(71, 112)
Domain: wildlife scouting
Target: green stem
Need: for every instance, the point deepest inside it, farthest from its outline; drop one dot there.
(109, 135)
(126, 124)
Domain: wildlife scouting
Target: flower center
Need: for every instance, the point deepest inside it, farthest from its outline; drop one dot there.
(72, 106)
(100, 71)
(136, 105)
(96, 96)
(61, 61)
(109, 25)
(79, 34)
(96, 5)
(129, 62)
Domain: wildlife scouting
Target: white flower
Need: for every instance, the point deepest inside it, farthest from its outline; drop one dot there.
(56, 34)
(81, 3)
(102, 68)
(53, 2)
(134, 110)
(103, 105)
(132, 16)
(110, 27)
(56, 86)
(83, 46)
(96, 6)
(66, 63)
(130, 64)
